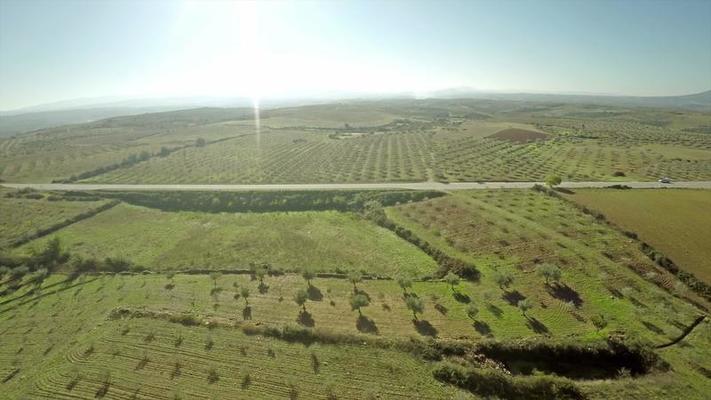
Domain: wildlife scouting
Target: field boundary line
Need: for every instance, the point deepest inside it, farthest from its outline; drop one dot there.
(70, 221)
(684, 334)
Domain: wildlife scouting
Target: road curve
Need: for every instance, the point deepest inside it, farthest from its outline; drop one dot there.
(351, 186)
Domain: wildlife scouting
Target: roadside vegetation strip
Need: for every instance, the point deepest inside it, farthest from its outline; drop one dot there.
(274, 201)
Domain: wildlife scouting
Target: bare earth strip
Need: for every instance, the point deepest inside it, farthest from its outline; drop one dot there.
(355, 186)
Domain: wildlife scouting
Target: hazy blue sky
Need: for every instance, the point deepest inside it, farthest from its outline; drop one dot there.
(55, 50)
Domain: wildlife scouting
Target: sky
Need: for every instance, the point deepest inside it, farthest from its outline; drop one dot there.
(67, 49)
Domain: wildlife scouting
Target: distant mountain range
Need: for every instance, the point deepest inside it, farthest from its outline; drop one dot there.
(697, 101)
(86, 110)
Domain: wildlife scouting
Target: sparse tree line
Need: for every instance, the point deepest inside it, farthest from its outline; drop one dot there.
(29, 193)
(26, 238)
(373, 210)
(129, 161)
(144, 155)
(40, 263)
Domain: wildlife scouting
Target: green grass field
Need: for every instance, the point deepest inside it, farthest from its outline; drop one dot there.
(60, 343)
(677, 222)
(22, 217)
(322, 241)
(519, 230)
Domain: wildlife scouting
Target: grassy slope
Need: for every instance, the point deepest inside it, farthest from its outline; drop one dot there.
(64, 333)
(517, 229)
(19, 217)
(324, 241)
(677, 222)
(47, 334)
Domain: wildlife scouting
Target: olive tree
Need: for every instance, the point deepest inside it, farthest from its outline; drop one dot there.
(308, 275)
(215, 276)
(599, 321)
(452, 279)
(525, 305)
(550, 272)
(244, 292)
(553, 180)
(416, 305)
(404, 282)
(504, 279)
(300, 298)
(358, 301)
(355, 277)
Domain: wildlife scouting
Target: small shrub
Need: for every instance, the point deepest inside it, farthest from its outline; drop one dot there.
(212, 375)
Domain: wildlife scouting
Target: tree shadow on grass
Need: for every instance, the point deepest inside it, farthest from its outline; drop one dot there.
(563, 190)
(483, 328)
(496, 311)
(636, 302)
(103, 389)
(565, 293)
(306, 319)
(513, 297)
(366, 325)
(247, 313)
(653, 328)
(615, 292)
(314, 293)
(461, 297)
(536, 325)
(441, 309)
(263, 288)
(424, 328)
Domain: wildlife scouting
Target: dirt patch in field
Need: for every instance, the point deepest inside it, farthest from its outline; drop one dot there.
(517, 135)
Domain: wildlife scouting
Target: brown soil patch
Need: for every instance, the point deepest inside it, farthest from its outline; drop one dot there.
(518, 135)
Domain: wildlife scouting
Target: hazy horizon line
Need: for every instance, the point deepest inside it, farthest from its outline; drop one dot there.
(334, 95)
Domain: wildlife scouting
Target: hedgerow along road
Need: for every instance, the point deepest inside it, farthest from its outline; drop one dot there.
(429, 185)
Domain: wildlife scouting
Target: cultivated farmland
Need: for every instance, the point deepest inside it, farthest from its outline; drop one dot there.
(677, 222)
(516, 294)
(109, 329)
(376, 141)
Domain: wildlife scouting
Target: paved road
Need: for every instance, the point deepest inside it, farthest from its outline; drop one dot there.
(352, 186)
